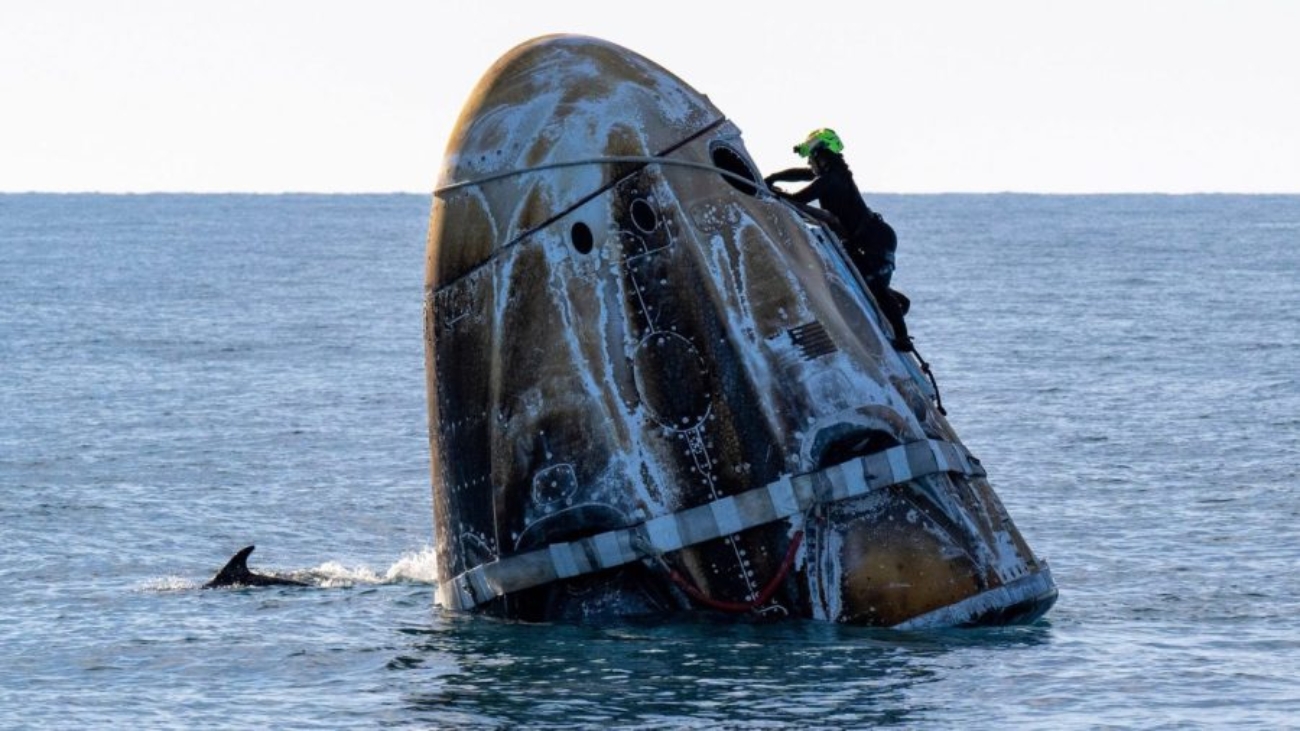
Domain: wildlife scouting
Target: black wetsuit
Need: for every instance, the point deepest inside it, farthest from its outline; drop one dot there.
(868, 239)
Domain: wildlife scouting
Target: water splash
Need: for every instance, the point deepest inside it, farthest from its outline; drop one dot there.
(419, 567)
(415, 567)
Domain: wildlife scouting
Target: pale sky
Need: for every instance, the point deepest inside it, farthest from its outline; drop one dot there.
(972, 96)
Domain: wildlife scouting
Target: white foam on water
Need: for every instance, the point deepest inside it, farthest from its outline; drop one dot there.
(420, 567)
(416, 567)
(163, 584)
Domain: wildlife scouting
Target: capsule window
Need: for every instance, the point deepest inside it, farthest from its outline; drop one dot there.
(737, 168)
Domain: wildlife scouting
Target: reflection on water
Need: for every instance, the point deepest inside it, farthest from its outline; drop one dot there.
(692, 672)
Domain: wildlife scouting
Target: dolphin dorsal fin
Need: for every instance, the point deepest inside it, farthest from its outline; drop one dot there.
(235, 571)
(238, 563)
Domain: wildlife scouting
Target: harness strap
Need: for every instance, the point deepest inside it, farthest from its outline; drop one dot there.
(788, 496)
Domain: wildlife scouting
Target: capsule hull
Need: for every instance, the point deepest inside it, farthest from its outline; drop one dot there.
(656, 387)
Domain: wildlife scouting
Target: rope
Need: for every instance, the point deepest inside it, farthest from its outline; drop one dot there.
(763, 596)
(925, 368)
(608, 160)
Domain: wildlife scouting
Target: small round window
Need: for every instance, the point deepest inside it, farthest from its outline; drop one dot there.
(581, 237)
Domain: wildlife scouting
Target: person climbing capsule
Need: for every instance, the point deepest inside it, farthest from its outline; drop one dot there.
(869, 240)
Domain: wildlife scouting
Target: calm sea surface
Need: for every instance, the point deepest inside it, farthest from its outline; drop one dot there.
(181, 376)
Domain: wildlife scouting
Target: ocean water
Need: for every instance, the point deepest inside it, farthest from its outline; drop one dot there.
(181, 376)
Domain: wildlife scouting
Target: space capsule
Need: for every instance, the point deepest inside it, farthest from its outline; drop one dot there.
(654, 386)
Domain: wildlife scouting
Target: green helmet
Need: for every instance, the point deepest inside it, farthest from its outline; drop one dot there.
(824, 137)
